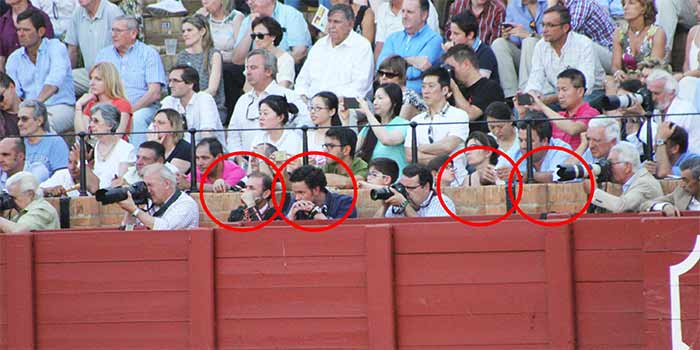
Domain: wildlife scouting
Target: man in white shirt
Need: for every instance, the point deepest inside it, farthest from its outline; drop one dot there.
(388, 20)
(341, 62)
(418, 198)
(198, 107)
(261, 68)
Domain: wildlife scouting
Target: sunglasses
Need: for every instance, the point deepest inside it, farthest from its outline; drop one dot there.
(258, 35)
(388, 74)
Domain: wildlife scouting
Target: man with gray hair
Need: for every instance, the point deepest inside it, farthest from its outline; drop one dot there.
(638, 185)
(602, 135)
(141, 70)
(169, 208)
(45, 152)
(261, 69)
(684, 197)
(33, 211)
(341, 62)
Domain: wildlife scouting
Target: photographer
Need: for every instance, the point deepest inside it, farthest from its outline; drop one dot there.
(311, 198)
(34, 212)
(168, 208)
(255, 200)
(684, 197)
(638, 185)
(414, 196)
(382, 173)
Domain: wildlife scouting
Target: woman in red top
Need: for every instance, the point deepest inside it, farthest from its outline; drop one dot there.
(105, 87)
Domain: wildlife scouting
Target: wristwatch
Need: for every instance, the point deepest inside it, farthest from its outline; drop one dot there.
(135, 213)
(660, 142)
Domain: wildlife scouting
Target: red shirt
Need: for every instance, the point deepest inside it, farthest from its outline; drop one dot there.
(585, 112)
(122, 105)
(490, 19)
(8, 32)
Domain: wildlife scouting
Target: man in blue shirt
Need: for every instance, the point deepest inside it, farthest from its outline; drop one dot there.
(671, 150)
(312, 200)
(417, 43)
(41, 70)
(45, 153)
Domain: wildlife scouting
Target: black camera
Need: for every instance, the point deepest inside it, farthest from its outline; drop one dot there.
(385, 193)
(602, 170)
(642, 96)
(450, 70)
(309, 215)
(139, 193)
(6, 202)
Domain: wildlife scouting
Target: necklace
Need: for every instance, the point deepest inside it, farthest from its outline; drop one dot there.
(104, 155)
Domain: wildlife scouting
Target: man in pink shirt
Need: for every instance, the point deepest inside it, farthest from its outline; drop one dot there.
(225, 175)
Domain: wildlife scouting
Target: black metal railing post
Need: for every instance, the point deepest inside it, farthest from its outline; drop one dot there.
(530, 160)
(193, 164)
(305, 143)
(414, 143)
(83, 164)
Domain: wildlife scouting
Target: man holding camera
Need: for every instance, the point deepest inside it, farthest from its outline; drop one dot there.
(255, 200)
(414, 196)
(311, 198)
(34, 212)
(684, 197)
(168, 209)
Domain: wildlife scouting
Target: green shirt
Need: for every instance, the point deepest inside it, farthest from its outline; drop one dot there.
(359, 168)
(38, 215)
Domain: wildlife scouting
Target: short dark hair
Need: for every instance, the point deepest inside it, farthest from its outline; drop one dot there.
(386, 166)
(441, 73)
(485, 140)
(5, 80)
(156, 147)
(214, 146)
(499, 110)
(424, 175)
(679, 138)
(461, 53)
(467, 22)
(424, 5)
(280, 106)
(540, 124)
(578, 80)
(436, 163)
(331, 101)
(690, 163)
(18, 144)
(312, 176)
(189, 75)
(34, 16)
(564, 14)
(266, 179)
(345, 136)
(273, 27)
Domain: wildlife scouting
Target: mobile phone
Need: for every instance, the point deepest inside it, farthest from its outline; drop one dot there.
(351, 103)
(525, 99)
(506, 25)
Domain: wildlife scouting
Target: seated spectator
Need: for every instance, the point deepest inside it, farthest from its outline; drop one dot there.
(590, 19)
(200, 54)
(684, 197)
(113, 155)
(481, 163)
(385, 133)
(168, 207)
(178, 152)
(324, 114)
(225, 23)
(9, 106)
(559, 49)
(491, 13)
(41, 70)
(274, 114)
(45, 153)
(296, 38)
(364, 19)
(312, 200)
(674, 12)
(140, 69)
(670, 152)
(421, 199)
(464, 30)
(89, 31)
(256, 165)
(256, 204)
(60, 12)
(149, 152)
(340, 62)
(500, 120)
(225, 174)
(418, 44)
(613, 8)
(576, 112)
(11, 158)
(638, 185)
(261, 68)
(381, 173)
(389, 20)
(267, 34)
(602, 134)
(637, 39)
(393, 70)
(341, 142)
(9, 40)
(689, 80)
(472, 92)
(105, 87)
(66, 182)
(198, 107)
(448, 175)
(522, 29)
(33, 211)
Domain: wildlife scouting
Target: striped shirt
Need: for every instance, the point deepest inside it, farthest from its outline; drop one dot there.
(591, 20)
(490, 18)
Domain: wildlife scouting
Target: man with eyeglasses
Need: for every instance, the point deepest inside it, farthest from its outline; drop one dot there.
(421, 199)
(9, 107)
(33, 211)
(382, 173)
(341, 142)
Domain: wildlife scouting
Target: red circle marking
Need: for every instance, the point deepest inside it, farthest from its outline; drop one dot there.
(590, 195)
(278, 176)
(510, 177)
(204, 203)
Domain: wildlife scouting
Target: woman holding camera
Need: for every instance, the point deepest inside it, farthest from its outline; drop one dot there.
(481, 163)
(274, 114)
(171, 127)
(112, 154)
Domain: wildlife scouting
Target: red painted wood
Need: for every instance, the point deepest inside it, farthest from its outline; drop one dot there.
(607, 265)
(656, 268)
(560, 296)
(201, 298)
(610, 329)
(607, 234)
(3, 311)
(380, 288)
(658, 334)
(19, 285)
(480, 347)
(670, 234)
(143, 335)
(610, 297)
(657, 304)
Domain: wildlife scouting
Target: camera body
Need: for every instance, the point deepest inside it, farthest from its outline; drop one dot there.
(138, 190)
(450, 70)
(309, 215)
(6, 202)
(385, 193)
(602, 170)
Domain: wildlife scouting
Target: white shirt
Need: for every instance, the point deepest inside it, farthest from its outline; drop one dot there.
(387, 22)
(691, 123)
(578, 52)
(63, 178)
(183, 213)
(246, 113)
(430, 207)
(346, 69)
(60, 13)
(285, 68)
(512, 153)
(106, 169)
(201, 113)
(290, 141)
(132, 175)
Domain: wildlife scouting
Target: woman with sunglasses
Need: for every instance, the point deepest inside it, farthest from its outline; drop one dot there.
(481, 163)
(267, 34)
(393, 70)
(105, 87)
(171, 127)
(274, 114)
(224, 22)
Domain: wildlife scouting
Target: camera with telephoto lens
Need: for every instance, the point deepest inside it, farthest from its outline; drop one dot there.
(385, 193)
(6, 202)
(643, 96)
(139, 193)
(602, 170)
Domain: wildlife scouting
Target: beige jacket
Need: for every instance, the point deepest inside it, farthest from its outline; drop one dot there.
(643, 188)
(679, 198)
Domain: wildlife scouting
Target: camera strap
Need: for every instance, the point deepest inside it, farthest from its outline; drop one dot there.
(167, 204)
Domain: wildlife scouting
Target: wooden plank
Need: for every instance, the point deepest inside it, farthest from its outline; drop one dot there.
(112, 307)
(3, 260)
(658, 333)
(285, 241)
(128, 276)
(499, 267)
(610, 329)
(291, 303)
(293, 333)
(111, 246)
(670, 234)
(619, 233)
(613, 297)
(480, 347)
(381, 308)
(608, 265)
(3, 295)
(289, 272)
(657, 302)
(201, 296)
(136, 335)
(656, 268)
(560, 287)
(527, 328)
(19, 285)
(481, 299)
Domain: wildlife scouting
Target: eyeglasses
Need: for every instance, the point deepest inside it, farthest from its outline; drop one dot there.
(411, 187)
(317, 109)
(375, 174)
(330, 145)
(259, 36)
(389, 75)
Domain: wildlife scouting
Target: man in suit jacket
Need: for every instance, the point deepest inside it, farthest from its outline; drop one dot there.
(638, 185)
(685, 196)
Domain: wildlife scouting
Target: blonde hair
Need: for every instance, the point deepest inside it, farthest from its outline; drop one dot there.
(114, 88)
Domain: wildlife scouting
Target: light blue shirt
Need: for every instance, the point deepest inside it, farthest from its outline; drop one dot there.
(45, 157)
(423, 43)
(614, 7)
(296, 30)
(676, 168)
(517, 13)
(52, 67)
(551, 159)
(140, 66)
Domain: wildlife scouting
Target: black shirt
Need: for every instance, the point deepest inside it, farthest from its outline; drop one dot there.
(182, 150)
(487, 60)
(481, 94)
